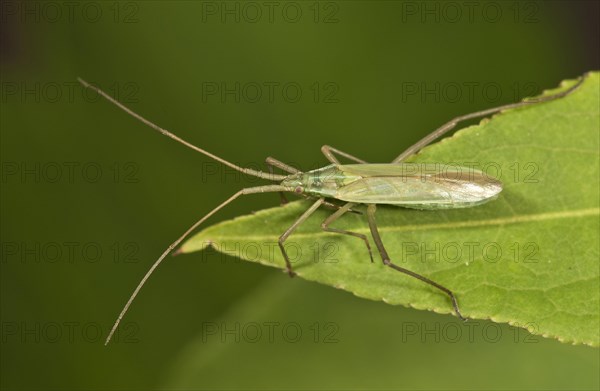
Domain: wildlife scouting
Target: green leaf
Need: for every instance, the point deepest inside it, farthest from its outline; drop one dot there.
(529, 258)
(292, 335)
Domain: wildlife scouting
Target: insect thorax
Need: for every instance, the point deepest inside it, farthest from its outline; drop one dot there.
(323, 182)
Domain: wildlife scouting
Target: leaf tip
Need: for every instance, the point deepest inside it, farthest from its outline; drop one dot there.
(192, 246)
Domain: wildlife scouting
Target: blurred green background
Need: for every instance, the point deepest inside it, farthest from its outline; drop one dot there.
(90, 197)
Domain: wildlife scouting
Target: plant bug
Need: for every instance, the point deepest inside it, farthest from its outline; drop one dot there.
(409, 185)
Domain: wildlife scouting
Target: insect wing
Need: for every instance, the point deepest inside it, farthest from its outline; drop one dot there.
(420, 186)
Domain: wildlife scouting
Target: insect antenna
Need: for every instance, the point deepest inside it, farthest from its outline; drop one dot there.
(250, 190)
(248, 171)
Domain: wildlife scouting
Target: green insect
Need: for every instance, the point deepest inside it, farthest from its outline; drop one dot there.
(409, 185)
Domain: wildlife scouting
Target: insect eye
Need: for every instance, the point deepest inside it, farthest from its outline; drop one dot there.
(298, 189)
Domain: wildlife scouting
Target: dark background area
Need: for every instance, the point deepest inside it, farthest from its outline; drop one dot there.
(90, 197)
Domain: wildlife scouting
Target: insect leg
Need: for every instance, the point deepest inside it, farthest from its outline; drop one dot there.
(328, 151)
(289, 231)
(452, 123)
(386, 260)
(330, 205)
(272, 162)
(336, 215)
